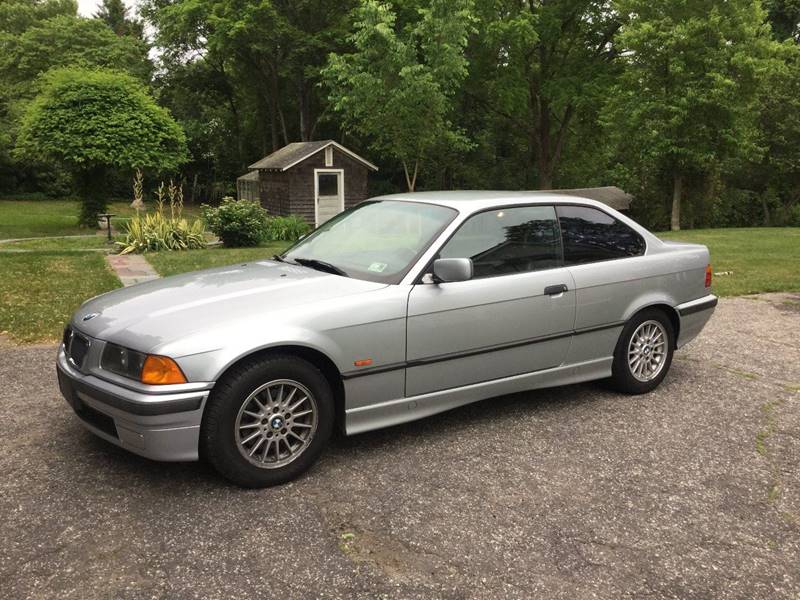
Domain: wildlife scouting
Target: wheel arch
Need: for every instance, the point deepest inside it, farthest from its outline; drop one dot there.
(668, 310)
(312, 355)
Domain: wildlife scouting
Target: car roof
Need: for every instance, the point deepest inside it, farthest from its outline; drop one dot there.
(475, 200)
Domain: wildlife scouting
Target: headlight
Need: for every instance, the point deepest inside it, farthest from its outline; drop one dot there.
(122, 361)
(147, 368)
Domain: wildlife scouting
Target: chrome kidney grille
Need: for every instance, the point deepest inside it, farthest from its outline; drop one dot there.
(76, 346)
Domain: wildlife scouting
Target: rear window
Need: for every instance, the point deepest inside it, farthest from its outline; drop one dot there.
(590, 235)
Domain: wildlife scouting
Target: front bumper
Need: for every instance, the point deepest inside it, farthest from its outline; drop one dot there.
(158, 426)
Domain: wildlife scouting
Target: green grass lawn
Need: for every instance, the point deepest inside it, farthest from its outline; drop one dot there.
(40, 289)
(760, 259)
(38, 218)
(172, 263)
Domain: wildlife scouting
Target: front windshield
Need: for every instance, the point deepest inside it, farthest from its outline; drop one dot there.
(377, 241)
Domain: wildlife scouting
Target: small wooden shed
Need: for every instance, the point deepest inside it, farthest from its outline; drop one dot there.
(315, 180)
(247, 186)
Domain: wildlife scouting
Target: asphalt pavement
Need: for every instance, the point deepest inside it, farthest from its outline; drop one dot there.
(577, 492)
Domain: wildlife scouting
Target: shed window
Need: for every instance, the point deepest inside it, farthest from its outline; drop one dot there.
(329, 156)
(328, 184)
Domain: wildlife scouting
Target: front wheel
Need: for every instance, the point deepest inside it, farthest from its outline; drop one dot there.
(267, 421)
(644, 352)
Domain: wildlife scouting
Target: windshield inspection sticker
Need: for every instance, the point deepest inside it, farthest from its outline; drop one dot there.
(377, 267)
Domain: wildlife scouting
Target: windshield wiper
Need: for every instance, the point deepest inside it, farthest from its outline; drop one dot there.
(320, 265)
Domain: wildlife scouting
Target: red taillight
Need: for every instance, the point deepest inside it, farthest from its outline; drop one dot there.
(708, 276)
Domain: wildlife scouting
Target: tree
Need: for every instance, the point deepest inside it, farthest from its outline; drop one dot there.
(685, 103)
(776, 173)
(66, 41)
(784, 16)
(93, 121)
(116, 15)
(270, 51)
(398, 86)
(543, 66)
(30, 47)
(16, 16)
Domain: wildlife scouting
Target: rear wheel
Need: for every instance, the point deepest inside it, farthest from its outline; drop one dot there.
(644, 352)
(267, 421)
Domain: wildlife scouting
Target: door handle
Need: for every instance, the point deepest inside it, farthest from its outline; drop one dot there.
(554, 290)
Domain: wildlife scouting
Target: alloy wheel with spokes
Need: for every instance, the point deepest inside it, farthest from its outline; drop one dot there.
(276, 423)
(647, 350)
(644, 351)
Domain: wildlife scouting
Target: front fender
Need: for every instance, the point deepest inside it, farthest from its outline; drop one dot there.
(209, 365)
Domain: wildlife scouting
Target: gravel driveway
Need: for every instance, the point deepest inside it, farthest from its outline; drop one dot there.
(690, 492)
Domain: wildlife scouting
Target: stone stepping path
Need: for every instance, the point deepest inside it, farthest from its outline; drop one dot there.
(131, 268)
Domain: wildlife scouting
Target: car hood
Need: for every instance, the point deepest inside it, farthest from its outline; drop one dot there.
(148, 315)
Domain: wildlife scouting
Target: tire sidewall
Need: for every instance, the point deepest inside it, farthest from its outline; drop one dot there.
(622, 377)
(217, 432)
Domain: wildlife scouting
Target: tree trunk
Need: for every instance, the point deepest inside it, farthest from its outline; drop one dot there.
(194, 188)
(411, 180)
(304, 102)
(91, 185)
(548, 130)
(765, 208)
(545, 177)
(677, 192)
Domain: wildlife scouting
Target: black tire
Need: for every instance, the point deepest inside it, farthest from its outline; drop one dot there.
(218, 438)
(623, 378)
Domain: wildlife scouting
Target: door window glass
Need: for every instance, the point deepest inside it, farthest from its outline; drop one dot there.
(328, 184)
(508, 240)
(590, 235)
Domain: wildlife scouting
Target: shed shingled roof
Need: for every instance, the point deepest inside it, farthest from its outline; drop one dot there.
(249, 176)
(291, 154)
(609, 195)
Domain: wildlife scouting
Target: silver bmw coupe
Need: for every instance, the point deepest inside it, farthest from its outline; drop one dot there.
(399, 308)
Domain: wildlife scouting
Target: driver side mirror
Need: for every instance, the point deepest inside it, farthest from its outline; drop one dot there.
(452, 269)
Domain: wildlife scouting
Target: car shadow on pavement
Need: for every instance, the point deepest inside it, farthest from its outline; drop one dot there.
(129, 469)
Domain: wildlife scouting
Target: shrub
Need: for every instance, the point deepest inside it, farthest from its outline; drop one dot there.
(157, 231)
(160, 231)
(287, 229)
(237, 222)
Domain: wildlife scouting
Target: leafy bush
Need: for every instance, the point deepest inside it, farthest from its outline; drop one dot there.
(286, 229)
(157, 231)
(237, 222)
(160, 231)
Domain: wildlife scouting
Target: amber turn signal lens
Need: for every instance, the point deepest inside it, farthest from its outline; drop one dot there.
(708, 276)
(160, 370)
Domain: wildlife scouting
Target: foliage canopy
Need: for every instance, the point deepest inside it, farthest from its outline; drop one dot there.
(398, 86)
(88, 118)
(92, 121)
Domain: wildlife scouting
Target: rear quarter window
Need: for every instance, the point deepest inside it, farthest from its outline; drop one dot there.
(591, 235)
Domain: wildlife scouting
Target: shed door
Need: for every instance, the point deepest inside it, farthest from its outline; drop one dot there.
(329, 194)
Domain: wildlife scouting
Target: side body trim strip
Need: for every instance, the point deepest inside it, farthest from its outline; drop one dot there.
(429, 360)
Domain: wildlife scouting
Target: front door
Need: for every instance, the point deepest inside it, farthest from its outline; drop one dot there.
(515, 316)
(328, 194)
